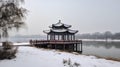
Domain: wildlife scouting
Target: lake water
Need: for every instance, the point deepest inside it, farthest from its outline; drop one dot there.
(102, 49)
(98, 48)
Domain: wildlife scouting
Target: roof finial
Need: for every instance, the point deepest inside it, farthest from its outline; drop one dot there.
(59, 21)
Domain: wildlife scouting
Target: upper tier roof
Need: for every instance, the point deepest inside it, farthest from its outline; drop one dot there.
(60, 28)
(60, 25)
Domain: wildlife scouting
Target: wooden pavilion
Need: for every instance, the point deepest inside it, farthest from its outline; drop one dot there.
(60, 37)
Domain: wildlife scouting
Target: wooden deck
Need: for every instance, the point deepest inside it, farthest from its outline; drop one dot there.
(32, 42)
(70, 45)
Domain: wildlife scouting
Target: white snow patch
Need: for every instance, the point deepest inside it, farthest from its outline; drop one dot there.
(34, 57)
(27, 43)
(21, 43)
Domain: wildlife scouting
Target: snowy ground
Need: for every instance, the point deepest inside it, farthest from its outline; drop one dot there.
(34, 57)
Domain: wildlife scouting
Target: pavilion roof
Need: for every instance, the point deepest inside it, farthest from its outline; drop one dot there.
(59, 24)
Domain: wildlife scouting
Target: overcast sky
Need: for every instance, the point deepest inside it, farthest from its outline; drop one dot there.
(87, 16)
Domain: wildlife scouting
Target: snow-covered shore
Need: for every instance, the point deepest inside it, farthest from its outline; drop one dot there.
(34, 57)
(26, 43)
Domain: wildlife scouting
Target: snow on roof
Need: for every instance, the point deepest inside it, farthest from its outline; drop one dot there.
(46, 31)
(67, 25)
(73, 31)
(60, 30)
(59, 24)
(55, 30)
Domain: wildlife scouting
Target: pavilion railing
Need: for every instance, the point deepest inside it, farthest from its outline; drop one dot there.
(32, 42)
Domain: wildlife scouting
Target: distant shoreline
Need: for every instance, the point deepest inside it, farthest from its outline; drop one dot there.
(101, 40)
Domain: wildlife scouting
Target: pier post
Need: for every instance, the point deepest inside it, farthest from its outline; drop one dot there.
(76, 47)
(55, 46)
(63, 46)
(81, 46)
(73, 47)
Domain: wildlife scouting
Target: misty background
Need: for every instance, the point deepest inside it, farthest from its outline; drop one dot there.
(87, 16)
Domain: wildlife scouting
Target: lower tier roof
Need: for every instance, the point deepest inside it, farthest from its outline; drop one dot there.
(60, 31)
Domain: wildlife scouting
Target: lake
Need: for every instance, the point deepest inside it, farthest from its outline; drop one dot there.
(102, 49)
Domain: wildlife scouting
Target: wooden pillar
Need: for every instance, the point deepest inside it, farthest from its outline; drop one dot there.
(67, 37)
(54, 37)
(72, 47)
(58, 37)
(73, 37)
(63, 46)
(64, 37)
(55, 46)
(47, 36)
(81, 46)
(76, 47)
(50, 37)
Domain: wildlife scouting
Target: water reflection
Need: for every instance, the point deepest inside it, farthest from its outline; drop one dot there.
(102, 49)
(106, 45)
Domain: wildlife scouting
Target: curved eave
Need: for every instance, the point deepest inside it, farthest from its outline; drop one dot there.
(46, 31)
(68, 26)
(73, 31)
(60, 31)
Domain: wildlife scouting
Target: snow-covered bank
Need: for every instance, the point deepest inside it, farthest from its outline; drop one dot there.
(34, 57)
(27, 43)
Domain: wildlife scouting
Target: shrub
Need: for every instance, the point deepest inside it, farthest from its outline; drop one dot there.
(8, 51)
(76, 64)
(64, 61)
(7, 45)
(69, 63)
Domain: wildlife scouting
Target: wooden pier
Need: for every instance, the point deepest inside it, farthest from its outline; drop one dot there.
(66, 45)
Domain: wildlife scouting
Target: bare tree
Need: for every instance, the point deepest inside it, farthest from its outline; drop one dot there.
(11, 16)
